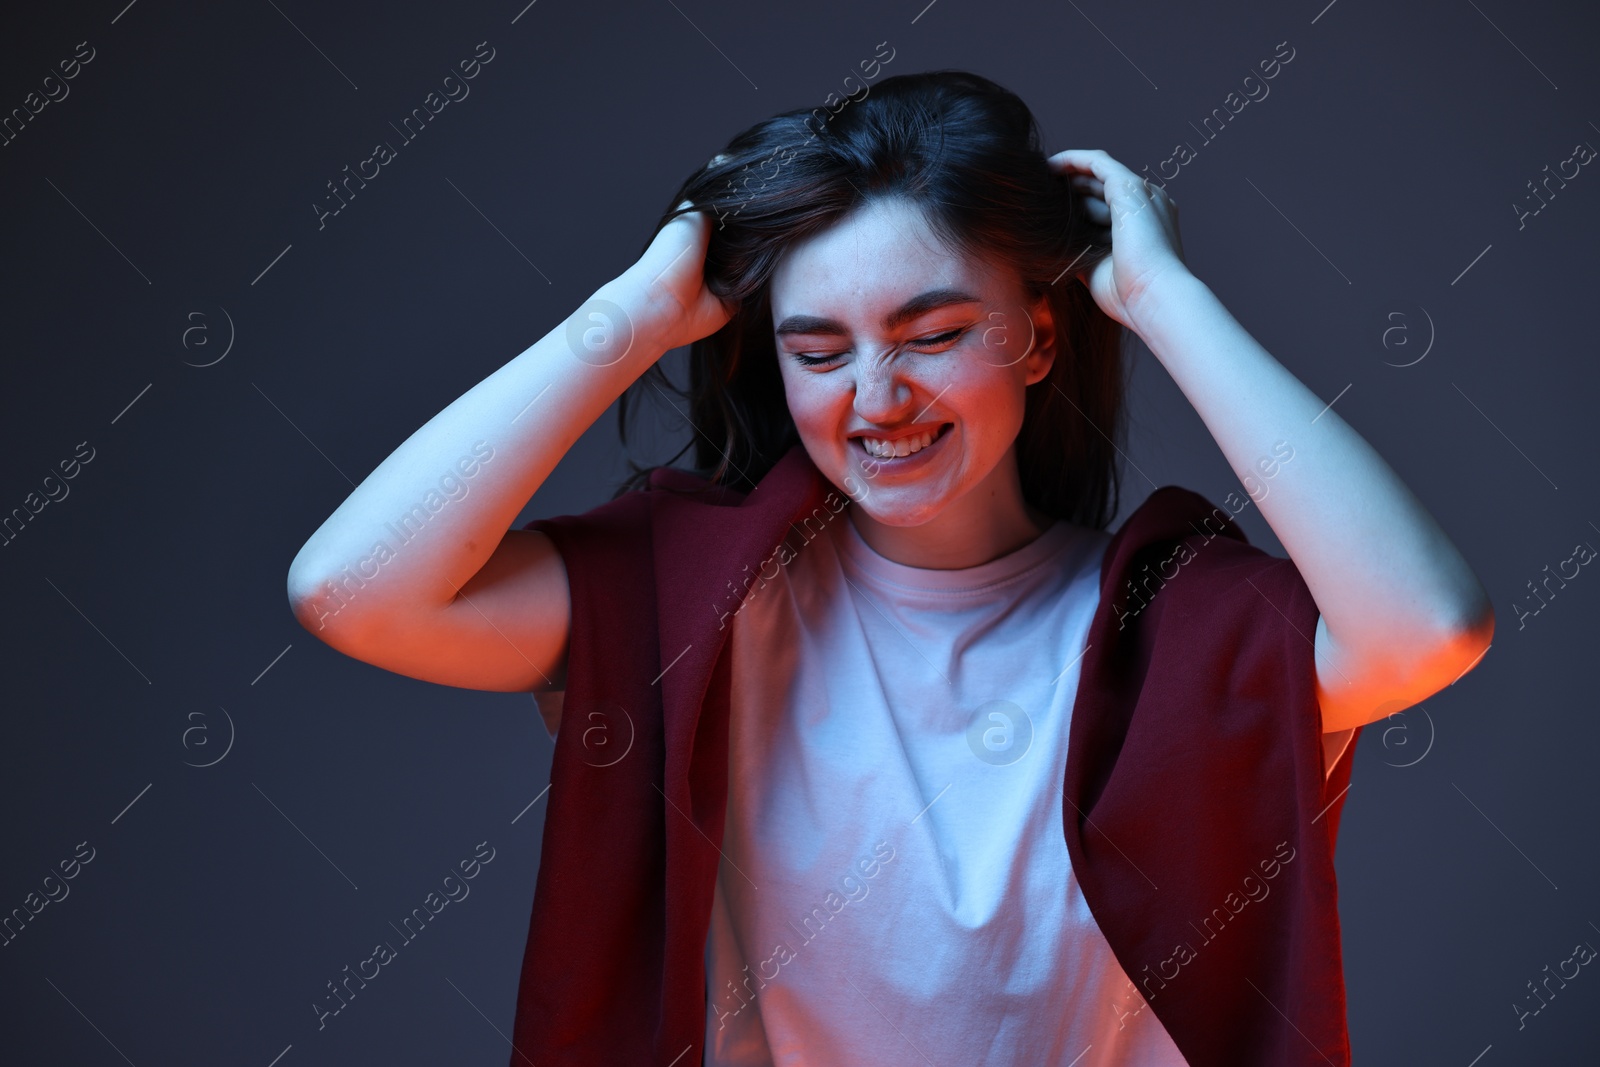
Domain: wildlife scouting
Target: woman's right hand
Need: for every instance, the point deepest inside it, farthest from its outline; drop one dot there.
(671, 304)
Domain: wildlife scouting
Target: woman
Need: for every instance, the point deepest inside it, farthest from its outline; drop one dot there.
(834, 819)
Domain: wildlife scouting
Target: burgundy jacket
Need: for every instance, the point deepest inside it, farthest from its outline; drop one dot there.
(1196, 815)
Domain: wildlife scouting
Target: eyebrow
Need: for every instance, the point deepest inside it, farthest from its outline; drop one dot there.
(916, 307)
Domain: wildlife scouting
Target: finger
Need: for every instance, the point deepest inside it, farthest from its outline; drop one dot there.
(1086, 161)
(696, 217)
(1087, 183)
(1098, 164)
(1109, 189)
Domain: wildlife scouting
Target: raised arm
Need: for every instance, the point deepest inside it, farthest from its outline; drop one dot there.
(1402, 614)
(417, 571)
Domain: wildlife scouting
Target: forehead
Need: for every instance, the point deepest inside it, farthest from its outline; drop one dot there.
(873, 260)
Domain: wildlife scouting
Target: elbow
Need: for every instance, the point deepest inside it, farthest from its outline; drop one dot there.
(1449, 646)
(315, 604)
(341, 611)
(318, 596)
(310, 610)
(301, 586)
(1470, 636)
(1454, 645)
(1404, 669)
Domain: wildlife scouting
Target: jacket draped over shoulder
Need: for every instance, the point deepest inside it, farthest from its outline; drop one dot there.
(1197, 815)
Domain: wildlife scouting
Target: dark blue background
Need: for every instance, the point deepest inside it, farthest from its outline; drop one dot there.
(186, 160)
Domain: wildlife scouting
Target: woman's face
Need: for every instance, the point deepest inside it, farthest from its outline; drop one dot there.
(915, 339)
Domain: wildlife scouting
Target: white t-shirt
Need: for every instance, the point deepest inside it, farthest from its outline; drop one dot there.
(895, 887)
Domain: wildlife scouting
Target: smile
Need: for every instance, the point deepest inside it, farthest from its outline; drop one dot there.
(896, 452)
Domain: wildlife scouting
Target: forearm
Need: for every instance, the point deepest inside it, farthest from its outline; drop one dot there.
(439, 522)
(1384, 575)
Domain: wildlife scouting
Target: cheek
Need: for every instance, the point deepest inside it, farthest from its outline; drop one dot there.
(991, 406)
(975, 391)
(813, 399)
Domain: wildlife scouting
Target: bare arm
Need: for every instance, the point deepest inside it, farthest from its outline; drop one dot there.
(417, 571)
(1401, 613)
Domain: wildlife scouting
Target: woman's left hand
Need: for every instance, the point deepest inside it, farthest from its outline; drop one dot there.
(1138, 219)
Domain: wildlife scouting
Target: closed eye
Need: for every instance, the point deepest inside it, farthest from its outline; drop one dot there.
(818, 359)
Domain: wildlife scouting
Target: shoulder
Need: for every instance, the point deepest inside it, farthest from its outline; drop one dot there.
(1177, 532)
(1181, 576)
(680, 531)
(636, 508)
(1173, 513)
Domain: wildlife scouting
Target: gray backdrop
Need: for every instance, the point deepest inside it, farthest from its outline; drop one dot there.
(250, 810)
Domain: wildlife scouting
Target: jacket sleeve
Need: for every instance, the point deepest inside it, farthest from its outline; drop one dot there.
(601, 541)
(1264, 606)
(1200, 818)
(583, 996)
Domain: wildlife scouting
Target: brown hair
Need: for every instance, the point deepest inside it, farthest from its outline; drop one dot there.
(966, 151)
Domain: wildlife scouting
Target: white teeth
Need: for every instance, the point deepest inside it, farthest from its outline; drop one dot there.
(903, 447)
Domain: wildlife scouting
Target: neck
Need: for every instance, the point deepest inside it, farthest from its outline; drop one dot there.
(968, 533)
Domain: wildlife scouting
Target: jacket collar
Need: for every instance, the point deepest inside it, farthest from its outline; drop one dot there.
(692, 639)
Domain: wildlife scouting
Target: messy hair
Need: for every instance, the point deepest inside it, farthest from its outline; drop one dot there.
(966, 152)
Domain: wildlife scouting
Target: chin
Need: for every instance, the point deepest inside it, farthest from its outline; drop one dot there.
(902, 507)
(900, 518)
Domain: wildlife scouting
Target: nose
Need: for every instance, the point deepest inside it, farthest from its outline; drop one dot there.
(884, 393)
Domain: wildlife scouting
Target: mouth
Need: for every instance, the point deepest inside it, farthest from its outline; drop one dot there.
(904, 451)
